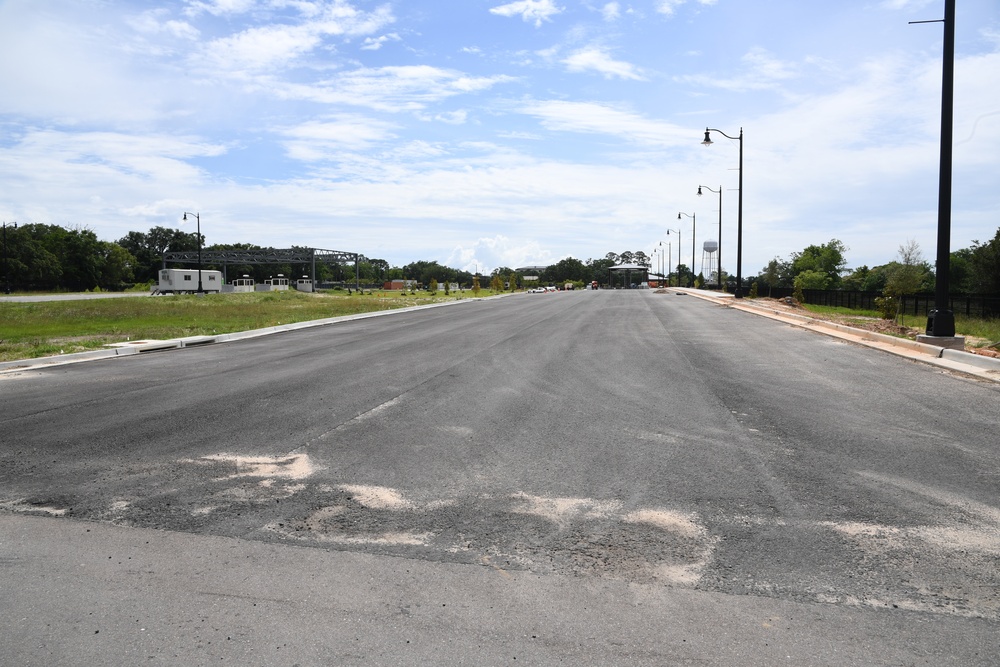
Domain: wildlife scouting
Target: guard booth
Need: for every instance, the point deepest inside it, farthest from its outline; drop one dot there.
(244, 284)
(278, 284)
(303, 284)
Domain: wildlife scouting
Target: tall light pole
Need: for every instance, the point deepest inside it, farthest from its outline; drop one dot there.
(670, 256)
(941, 320)
(655, 264)
(694, 223)
(662, 264)
(678, 232)
(197, 217)
(739, 216)
(719, 256)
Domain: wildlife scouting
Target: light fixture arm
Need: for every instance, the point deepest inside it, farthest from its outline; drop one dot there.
(739, 216)
(197, 217)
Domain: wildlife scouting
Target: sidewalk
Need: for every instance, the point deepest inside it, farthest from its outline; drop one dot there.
(985, 368)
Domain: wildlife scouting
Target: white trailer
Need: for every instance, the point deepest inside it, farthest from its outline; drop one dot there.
(185, 281)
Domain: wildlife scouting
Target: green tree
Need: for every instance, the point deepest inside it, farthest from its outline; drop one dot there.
(959, 265)
(148, 249)
(827, 259)
(684, 276)
(117, 266)
(984, 266)
(597, 269)
(904, 277)
(771, 275)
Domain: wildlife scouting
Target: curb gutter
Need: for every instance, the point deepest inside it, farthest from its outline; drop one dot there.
(142, 346)
(986, 368)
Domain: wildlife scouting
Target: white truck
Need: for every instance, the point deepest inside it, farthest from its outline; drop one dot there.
(185, 281)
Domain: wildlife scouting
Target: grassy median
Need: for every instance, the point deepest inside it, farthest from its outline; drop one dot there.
(30, 330)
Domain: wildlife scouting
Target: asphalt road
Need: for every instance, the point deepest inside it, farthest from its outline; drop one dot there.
(570, 478)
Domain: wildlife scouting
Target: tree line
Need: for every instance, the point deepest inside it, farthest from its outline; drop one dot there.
(972, 270)
(54, 258)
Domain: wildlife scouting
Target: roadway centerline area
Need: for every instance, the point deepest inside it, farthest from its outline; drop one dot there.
(622, 437)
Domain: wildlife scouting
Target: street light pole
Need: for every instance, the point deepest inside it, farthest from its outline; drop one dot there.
(679, 241)
(739, 216)
(197, 217)
(694, 222)
(662, 263)
(941, 320)
(719, 256)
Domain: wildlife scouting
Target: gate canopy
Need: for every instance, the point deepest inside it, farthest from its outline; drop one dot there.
(627, 270)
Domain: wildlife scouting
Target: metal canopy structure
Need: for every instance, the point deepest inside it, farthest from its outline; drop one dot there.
(628, 270)
(269, 256)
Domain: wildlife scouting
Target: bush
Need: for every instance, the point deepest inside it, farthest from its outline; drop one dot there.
(753, 290)
(887, 307)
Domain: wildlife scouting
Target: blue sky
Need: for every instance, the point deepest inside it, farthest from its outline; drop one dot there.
(490, 133)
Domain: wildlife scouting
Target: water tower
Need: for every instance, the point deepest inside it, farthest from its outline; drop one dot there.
(710, 262)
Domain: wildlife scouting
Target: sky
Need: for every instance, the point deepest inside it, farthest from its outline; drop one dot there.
(493, 133)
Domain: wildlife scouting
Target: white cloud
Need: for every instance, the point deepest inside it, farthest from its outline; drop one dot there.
(905, 4)
(393, 89)
(376, 43)
(536, 11)
(320, 139)
(219, 7)
(488, 253)
(593, 118)
(762, 71)
(275, 45)
(612, 11)
(667, 7)
(598, 60)
(261, 48)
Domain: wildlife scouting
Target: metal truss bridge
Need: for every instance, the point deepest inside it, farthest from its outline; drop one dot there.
(308, 256)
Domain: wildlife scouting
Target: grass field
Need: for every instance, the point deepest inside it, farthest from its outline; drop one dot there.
(30, 330)
(980, 332)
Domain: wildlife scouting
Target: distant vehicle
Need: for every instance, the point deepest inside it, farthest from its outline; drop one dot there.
(550, 288)
(593, 284)
(537, 290)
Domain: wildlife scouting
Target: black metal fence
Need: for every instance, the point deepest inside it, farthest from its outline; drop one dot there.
(970, 305)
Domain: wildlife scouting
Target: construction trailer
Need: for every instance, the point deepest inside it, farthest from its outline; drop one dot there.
(185, 281)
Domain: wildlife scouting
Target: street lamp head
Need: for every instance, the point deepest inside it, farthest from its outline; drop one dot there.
(678, 216)
(699, 190)
(184, 217)
(708, 140)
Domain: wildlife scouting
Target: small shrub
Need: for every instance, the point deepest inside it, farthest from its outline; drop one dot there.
(753, 290)
(887, 307)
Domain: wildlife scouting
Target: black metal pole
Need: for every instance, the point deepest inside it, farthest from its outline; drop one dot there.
(739, 230)
(739, 216)
(941, 320)
(197, 217)
(694, 228)
(718, 258)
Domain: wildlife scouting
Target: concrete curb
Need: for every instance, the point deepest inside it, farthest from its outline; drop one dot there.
(987, 368)
(142, 346)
